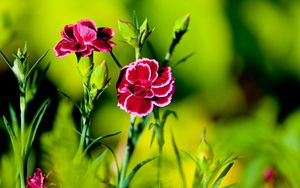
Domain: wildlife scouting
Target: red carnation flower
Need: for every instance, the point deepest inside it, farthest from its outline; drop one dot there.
(143, 84)
(84, 38)
(37, 180)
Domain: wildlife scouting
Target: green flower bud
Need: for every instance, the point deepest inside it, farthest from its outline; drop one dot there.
(19, 64)
(204, 151)
(84, 66)
(99, 76)
(181, 25)
(144, 32)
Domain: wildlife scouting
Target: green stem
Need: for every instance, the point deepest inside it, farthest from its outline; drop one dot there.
(137, 53)
(129, 150)
(115, 59)
(22, 150)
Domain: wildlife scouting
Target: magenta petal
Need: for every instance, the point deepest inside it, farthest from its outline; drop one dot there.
(138, 72)
(105, 33)
(101, 45)
(153, 64)
(84, 34)
(164, 77)
(87, 52)
(121, 99)
(138, 106)
(58, 49)
(67, 33)
(164, 101)
(88, 23)
(163, 91)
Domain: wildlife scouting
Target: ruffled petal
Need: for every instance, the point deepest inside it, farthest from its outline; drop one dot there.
(138, 73)
(163, 91)
(87, 52)
(101, 45)
(58, 49)
(122, 83)
(153, 64)
(121, 99)
(105, 33)
(67, 33)
(88, 23)
(85, 32)
(164, 77)
(161, 102)
(138, 105)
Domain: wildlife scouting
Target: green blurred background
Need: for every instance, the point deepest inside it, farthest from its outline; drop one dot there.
(242, 85)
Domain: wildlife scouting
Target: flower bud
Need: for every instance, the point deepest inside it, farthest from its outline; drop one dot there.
(20, 63)
(204, 151)
(181, 25)
(129, 33)
(144, 32)
(99, 76)
(84, 66)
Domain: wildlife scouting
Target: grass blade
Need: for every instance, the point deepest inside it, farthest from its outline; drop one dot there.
(5, 60)
(180, 167)
(135, 170)
(222, 175)
(35, 65)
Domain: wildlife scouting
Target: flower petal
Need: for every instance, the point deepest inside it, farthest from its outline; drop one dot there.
(164, 77)
(87, 52)
(153, 64)
(121, 99)
(138, 106)
(67, 33)
(163, 91)
(84, 32)
(101, 45)
(164, 101)
(138, 72)
(105, 33)
(58, 49)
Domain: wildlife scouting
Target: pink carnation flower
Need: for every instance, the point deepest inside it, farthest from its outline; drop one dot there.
(84, 38)
(142, 84)
(37, 180)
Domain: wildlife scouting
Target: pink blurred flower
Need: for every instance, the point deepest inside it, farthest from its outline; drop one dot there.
(83, 38)
(143, 84)
(37, 180)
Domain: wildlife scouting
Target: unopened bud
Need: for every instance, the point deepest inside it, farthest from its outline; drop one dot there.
(99, 75)
(144, 32)
(84, 66)
(204, 151)
(181, 25)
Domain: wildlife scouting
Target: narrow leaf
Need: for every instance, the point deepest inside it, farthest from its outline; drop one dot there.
(166, 115)
(135, 170)
(5, 60)
(36, 122)
(222, 175)
(184, 59)
(33, 67)
(179, 162)
(13, 117)
(9, 129)
(97, 140)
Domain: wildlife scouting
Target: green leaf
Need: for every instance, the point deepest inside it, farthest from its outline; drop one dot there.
(5, 60)
(14, 118)
(34, 66)
(222, 175)
(184, 59)
(135, 170)
(9, 129)
(97, 140)
(179, 162)
(128, 32)
(35, 123)
(166, 115)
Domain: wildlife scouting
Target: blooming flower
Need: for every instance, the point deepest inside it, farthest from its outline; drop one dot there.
(37, 180)
(84, 38)
(143, 84)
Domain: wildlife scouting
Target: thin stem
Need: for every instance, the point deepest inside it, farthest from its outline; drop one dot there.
(115, 59)
(23, 151)
(137, 53)
(129, 150)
